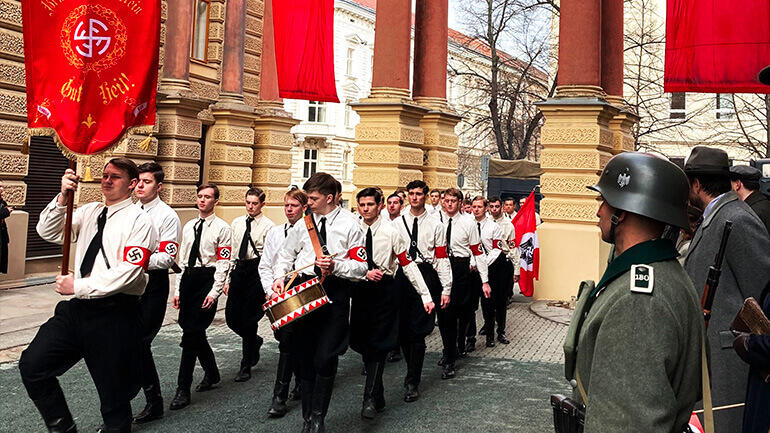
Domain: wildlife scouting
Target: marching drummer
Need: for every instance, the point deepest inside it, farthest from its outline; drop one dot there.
(155, 297)
(322, 336)
(427, 248)
(205, 261)
(294, 206)
(245, 295)
(374, 310)
(462, 242)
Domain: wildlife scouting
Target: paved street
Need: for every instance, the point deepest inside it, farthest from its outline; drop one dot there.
(504, 388)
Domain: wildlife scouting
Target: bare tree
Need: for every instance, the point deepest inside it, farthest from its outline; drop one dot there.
(752, 113)
(513, 38)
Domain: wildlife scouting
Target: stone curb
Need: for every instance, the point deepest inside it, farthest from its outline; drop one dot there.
(553, 313)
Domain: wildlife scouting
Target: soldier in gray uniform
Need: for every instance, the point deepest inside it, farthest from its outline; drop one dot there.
(633, 349)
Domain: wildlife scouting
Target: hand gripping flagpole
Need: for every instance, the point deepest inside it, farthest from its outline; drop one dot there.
(67, 242)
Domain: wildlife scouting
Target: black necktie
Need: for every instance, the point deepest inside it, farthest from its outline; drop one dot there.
(449, 237)
(369, 250)
(322, 235)
(244, 249)
(413, 243)
(478, 225)
(196, 246)
(93, 248)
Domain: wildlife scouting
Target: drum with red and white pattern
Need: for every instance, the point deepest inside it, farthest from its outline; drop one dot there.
(295, 303)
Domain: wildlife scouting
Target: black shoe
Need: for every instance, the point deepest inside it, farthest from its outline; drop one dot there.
(207, 383)
(243, 375)
(501, 338)
(470, 346)
(411, 393)
(483, 331)
(394, 356)
(296, 393)
(367, 410)
(278, 408)
(152, 410)
(490, 341)
(62, 425)
(181, 399)
(449, 371)
(461, 353)
(442, 361)
(125, 428)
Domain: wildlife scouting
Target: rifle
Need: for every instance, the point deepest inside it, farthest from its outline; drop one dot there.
(715, 271)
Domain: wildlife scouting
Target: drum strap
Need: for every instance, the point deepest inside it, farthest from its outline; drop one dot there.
(314, 239)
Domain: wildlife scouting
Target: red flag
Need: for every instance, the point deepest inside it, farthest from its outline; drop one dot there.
(716, 46)
(92, 70)
(304, 49)
(525, 224)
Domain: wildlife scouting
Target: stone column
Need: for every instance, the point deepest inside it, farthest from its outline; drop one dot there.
(178, 127)
(230, 153)
(429, 90)
(612, 50)
(390, 140)
(580, 64)
(273, 140)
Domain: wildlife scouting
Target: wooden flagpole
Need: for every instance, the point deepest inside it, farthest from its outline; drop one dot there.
(65, 258)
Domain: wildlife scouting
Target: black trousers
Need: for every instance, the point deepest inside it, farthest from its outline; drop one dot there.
(454, 317)
(414, 324)
(495, 308)
(374, 318)
(194, 320)
(320, 337)
(105, 333)
(244, 305)
(152, 310)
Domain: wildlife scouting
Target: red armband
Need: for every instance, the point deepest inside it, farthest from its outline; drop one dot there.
(403, 259)
(169, 247)
(476, 250)
(357, 254)
(223, 253)
(497, 243)
(136, 256)
(441, 252)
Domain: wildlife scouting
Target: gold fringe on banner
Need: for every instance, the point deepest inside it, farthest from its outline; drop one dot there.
(50, 132)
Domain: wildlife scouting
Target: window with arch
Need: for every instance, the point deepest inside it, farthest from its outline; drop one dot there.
(200, 30)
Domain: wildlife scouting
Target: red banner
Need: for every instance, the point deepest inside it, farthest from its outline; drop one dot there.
(92, 69)
(525, 226)
(716, 46)
(304, 49)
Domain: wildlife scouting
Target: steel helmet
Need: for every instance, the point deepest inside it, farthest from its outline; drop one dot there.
(647, 185)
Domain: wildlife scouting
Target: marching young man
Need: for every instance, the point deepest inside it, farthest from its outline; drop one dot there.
(153, 301)
(294, 206)
(322, 336)
(493, 306)
(393, 206)
(205, 261)
(427, 248)
(462, 241)
(245, 295)
(101, 322)
(374, 309)
(509, 208)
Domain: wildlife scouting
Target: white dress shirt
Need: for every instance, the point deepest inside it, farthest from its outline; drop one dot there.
(431, 245)
(274, 241)
(390, 249)
(166, 223)
(214, 250)
(491, 239)
(509, 236)
(344, 241)
(466, 242)
(259, 228)
(127, 240)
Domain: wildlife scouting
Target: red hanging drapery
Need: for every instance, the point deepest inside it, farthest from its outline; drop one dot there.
(304, 49)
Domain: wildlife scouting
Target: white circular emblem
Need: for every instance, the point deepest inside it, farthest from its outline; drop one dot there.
(361, 253)
(225, 253)
(92, 38)
(135, 256)
(171, 248)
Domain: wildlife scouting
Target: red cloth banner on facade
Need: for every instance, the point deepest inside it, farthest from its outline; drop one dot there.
(304, 49)
(92, 70)
(525, 226)
(716, 46)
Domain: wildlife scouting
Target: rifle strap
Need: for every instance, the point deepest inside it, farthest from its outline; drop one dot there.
(581, 389)
(708, 407)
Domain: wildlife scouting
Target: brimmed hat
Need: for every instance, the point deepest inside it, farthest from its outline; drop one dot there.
(707, 160)
(744, 173)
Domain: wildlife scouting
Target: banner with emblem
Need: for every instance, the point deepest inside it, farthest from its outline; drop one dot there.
(525, 226)
(91, 70)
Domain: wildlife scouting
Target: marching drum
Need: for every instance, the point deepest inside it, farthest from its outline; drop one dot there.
(296, 302)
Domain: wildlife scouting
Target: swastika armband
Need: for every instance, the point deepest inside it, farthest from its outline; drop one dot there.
(357, 253)
(403, 259)
(497, 244)
(169, 247)
(136, 256)
(441, 252)
(223, 253)
(642, 279)
(476, 249)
